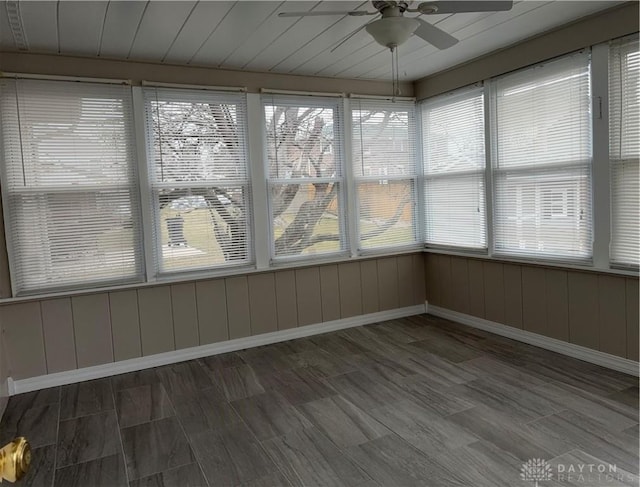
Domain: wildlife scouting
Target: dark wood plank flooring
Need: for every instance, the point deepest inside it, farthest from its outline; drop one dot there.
(414, 401)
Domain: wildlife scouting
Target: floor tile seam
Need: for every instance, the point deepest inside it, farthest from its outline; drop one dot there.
(318, 431)
(55, 450)
(188, 438)
(103, 411)
(260, 445)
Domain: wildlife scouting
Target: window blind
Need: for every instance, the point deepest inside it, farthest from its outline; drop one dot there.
(199, 178)
(542, 160)
(624, 150)
(454, 168)
(69, 182)
(384, 165)
(304, 165)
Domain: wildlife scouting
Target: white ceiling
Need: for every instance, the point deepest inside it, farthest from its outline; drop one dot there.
(249, 35)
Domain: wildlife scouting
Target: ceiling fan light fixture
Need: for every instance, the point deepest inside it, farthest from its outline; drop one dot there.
(392, 31)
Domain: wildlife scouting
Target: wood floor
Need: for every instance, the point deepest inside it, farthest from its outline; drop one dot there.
(416, 401)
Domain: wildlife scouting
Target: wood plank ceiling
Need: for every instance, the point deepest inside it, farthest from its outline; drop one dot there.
(249, 35)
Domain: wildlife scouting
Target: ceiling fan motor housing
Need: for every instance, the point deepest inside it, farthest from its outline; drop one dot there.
(383, 6)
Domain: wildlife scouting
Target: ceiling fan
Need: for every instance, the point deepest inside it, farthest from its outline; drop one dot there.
(393, 28)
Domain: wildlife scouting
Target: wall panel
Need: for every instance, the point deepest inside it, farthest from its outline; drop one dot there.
(494, 291)
(4, 375)
(476, 288)
(460, 284)
(125, 324)
(156, 320)
(330, 292)
(405, 280)
(534, 300)
(612, 321)
(388, 283)
(432, 284)
(513, 295)
(23, 339)
(308, 296)
(350, 289)
(185, 315)
(148, 320)
(583, 309)
(92, 329)
(557, 304)
(591, 309)
(211, 300)
(286, 302)
(369, 275)
(238, 312)
(59, 340)
(262, 303)
(419, 282)
(632, 318)
(447, 291)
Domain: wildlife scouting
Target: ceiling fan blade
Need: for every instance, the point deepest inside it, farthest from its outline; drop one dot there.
(454, 7)
(434, 35)
(348, 36)
(353, 13)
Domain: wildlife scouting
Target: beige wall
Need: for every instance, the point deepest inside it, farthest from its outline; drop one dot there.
(594, 310)
(55, 335)
(591, 30)
(50, 64)
(4, 373)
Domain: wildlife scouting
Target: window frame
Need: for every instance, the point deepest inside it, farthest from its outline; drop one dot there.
(52, 190)
(441, 100)
(341, 164)
(258, 180)
(614, 163)
(149, 186)
(543, 169)
(356, 180)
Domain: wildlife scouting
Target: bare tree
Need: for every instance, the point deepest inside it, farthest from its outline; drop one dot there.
(202, 142)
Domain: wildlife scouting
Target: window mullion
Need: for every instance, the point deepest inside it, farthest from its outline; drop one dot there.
(488, 174)
(600, 170)
(420, 181)
(146, 206)
(258, 175)
(351, 188)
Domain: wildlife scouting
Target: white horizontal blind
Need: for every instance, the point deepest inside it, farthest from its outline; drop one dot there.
(454, 168)
(305, 157)
(69, 178)
(541, 125)
(624, 150)
(384, 165)
(199, 178)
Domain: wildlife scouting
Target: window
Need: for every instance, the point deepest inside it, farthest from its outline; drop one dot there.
(199, 181)
(69, 183)
(624, 150)
(384, 165)
(454, 167)
(304, 157)
(541, 127)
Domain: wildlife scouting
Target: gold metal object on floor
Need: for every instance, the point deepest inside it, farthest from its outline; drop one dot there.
(15, 458)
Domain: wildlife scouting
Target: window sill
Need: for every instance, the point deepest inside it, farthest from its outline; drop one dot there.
(218, 274)
(533, 262)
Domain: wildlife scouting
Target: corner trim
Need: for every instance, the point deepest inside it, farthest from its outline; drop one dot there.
(131, 365)
(576, 351)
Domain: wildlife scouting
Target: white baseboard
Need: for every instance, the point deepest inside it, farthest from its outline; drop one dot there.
(106, 370)
(576, 351)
